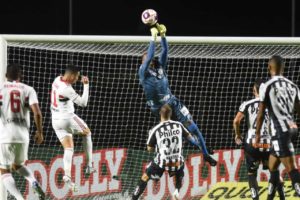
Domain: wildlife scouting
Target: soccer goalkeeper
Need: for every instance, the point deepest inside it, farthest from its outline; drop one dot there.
(153, 78)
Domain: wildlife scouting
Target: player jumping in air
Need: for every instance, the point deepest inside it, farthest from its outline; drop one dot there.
(153, 78)
(166, 137)
(254, 156)
(16, 100)
(66, 123)
(280, 96)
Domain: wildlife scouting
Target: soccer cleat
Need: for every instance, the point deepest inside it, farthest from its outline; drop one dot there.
(210, 160)
(89, 170)
(38, 190)
(71, 185)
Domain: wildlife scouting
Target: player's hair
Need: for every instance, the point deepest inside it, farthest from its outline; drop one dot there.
(257, 84)
(166, 111)
(14, 71)
(73, 69)
(278, 61)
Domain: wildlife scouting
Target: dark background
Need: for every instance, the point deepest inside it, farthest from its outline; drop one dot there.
(122, 17)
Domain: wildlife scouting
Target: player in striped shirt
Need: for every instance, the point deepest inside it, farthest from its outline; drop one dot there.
(16, 101)
(66, 123)
(281, 97)
(254, 156)
(154, 80)
(166, 138)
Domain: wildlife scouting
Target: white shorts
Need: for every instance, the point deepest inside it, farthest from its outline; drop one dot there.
(13, 153)
(68, 127)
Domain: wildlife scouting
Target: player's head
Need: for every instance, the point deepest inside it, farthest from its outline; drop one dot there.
(165, 112)
(14, 72)
(72, 74)
(154, 61)
(256, 86)
(276, 65)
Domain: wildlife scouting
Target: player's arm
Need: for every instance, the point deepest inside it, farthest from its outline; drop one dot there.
(164, 45)
(297, 102)
(151, 142)
(261, 113)
(37, 116)
(150, 52)
(70, 93)
(237, 129)
(260, 120)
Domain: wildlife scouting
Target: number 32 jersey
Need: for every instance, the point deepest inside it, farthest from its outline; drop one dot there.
(15, 101)
(167, 138)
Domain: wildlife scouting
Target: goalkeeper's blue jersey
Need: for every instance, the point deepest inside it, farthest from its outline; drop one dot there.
(154, 79)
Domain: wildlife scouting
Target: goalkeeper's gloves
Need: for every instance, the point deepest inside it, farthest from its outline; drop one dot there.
(154, 33)
(162, 29)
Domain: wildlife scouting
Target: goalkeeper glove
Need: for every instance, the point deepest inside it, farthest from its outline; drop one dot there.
(154, 33)
(162, 29)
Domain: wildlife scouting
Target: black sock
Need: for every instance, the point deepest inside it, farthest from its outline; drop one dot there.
(280, 190)
(295, 176)
(253, 186)
(178, 182)
(139, 190)
(273, 182)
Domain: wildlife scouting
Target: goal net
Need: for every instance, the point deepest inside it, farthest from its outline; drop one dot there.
(211, 79)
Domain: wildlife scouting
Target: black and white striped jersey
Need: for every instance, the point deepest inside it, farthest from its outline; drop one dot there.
(280, 95)
(250, 109)
(167, 138)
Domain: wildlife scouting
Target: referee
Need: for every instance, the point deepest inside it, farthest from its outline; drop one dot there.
(280, 96)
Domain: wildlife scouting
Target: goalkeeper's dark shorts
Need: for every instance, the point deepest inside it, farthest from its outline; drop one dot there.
(180, 111)
(254, 157)
(155, 172)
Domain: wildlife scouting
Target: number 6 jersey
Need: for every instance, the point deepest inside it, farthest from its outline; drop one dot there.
(167, 138)
(15, 101)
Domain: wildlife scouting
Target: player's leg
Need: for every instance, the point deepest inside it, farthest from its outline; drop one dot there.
(153, 171)
(252, 163)
(290, 165)
(7, 158)
(20, 168)
(274, 181)
(183, 115)
(286, 154)
(178, 182)
(81, 128)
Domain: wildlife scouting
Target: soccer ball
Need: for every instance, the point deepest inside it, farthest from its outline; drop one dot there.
(149, 17)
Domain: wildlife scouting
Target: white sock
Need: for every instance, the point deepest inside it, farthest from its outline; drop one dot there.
(68, 156)
(10, 185)
(88, 149)
(27, 173)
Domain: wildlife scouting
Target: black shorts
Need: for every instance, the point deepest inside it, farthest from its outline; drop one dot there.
(282, 145)
(254, 157)
(154, 171)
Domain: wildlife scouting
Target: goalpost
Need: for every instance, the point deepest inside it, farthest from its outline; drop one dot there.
(212, 76)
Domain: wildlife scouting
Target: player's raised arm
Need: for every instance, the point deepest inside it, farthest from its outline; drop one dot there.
(75, 97)
(149, 55)
(163, 58)
(37, 115)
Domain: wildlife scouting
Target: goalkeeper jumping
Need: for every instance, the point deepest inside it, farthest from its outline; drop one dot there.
(153, 78)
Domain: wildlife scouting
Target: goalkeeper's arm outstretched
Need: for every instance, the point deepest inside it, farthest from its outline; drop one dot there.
(153, 78)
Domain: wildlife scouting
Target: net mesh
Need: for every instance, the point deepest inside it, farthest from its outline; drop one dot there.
(211, 80)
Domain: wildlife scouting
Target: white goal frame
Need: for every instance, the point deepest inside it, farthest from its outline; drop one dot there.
(4, 39)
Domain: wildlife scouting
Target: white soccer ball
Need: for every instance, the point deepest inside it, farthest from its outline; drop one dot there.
(149, 17)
